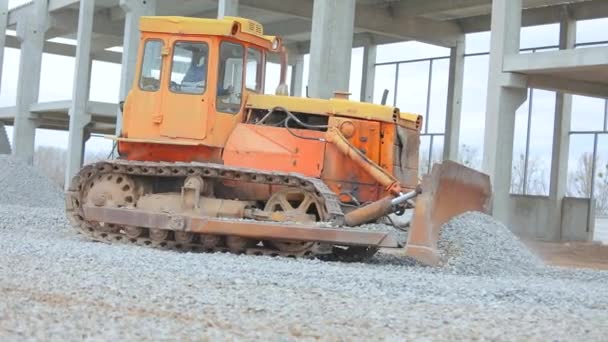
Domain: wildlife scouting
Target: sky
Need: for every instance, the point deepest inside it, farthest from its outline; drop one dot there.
(57, 79)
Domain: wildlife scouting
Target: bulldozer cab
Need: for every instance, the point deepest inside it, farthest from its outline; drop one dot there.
(195, 74)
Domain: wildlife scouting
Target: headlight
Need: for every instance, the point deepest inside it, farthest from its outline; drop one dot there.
(275, 44)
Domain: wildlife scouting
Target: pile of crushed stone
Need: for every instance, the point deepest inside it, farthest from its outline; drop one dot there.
(22, 184)
(476, 244)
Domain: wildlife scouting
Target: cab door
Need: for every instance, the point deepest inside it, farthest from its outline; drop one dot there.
(185, 99)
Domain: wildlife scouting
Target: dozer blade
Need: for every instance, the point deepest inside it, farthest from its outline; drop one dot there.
(448, 191)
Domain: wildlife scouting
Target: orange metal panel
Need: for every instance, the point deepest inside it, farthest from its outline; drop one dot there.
(275, 149)
(388, 157)
(162, 152)
(187, 115)
(183, 118)
(341, 173)
(143, 108)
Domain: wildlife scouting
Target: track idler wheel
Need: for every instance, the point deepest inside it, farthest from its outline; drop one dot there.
(134, 232)
(110, 190)
(297, 205)
(159, 235)
(183, 237)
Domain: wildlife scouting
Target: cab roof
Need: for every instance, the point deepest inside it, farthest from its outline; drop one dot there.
(235, 27)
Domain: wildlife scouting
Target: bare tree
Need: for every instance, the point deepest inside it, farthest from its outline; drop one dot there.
(469, 156)
(579, 181)
(534, 176)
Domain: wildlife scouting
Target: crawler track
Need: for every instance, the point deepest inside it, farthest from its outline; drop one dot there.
(76, 192)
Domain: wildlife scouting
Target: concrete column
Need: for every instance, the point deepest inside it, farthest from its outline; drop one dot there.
(561, 126)
(30, 32)
(451, 143)
(5, 146)
(134, 9)
(561, 140)
(79, 118)
(297, 76)
(3, 23)
(331, 47)
(368, 75)
(506, 93)
(227, 8)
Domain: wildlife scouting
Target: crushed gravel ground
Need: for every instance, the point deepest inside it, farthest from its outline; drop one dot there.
(56, 285)
(21, 184)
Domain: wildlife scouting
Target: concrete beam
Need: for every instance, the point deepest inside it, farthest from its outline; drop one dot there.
(569, 86)
(55, 5)
(134, 10)
(556, 60)
(30, 31)
(398, 22)
(359, 40)
(102, 42)
(540, 16)
(368, 74)
(79, 118)
(288, 28)
(394, 22)
(227, 8)
(68, 50)
(18, 12)
(331, 47)
(454, 103)
(7, 115)
(464, 8)
(502, 102)
(66, 22)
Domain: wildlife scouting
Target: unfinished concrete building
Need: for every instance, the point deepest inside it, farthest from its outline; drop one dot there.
(328, 31)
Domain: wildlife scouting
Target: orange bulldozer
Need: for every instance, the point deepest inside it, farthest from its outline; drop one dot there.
(209, 163)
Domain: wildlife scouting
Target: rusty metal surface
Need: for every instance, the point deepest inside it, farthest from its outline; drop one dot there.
(248, 229)
(274, 148)
(369, 213)
(379, 174)
(449, 190)
(407, 148)
(295, 205)
(76, 199)
(211, 171)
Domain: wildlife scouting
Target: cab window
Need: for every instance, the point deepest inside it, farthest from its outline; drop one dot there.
(253, 78)
(189, 68)
(149, 79)
(230, 78)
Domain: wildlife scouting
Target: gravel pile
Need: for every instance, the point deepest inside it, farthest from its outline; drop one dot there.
(21, 184)
(56, 285)
(476, 244)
